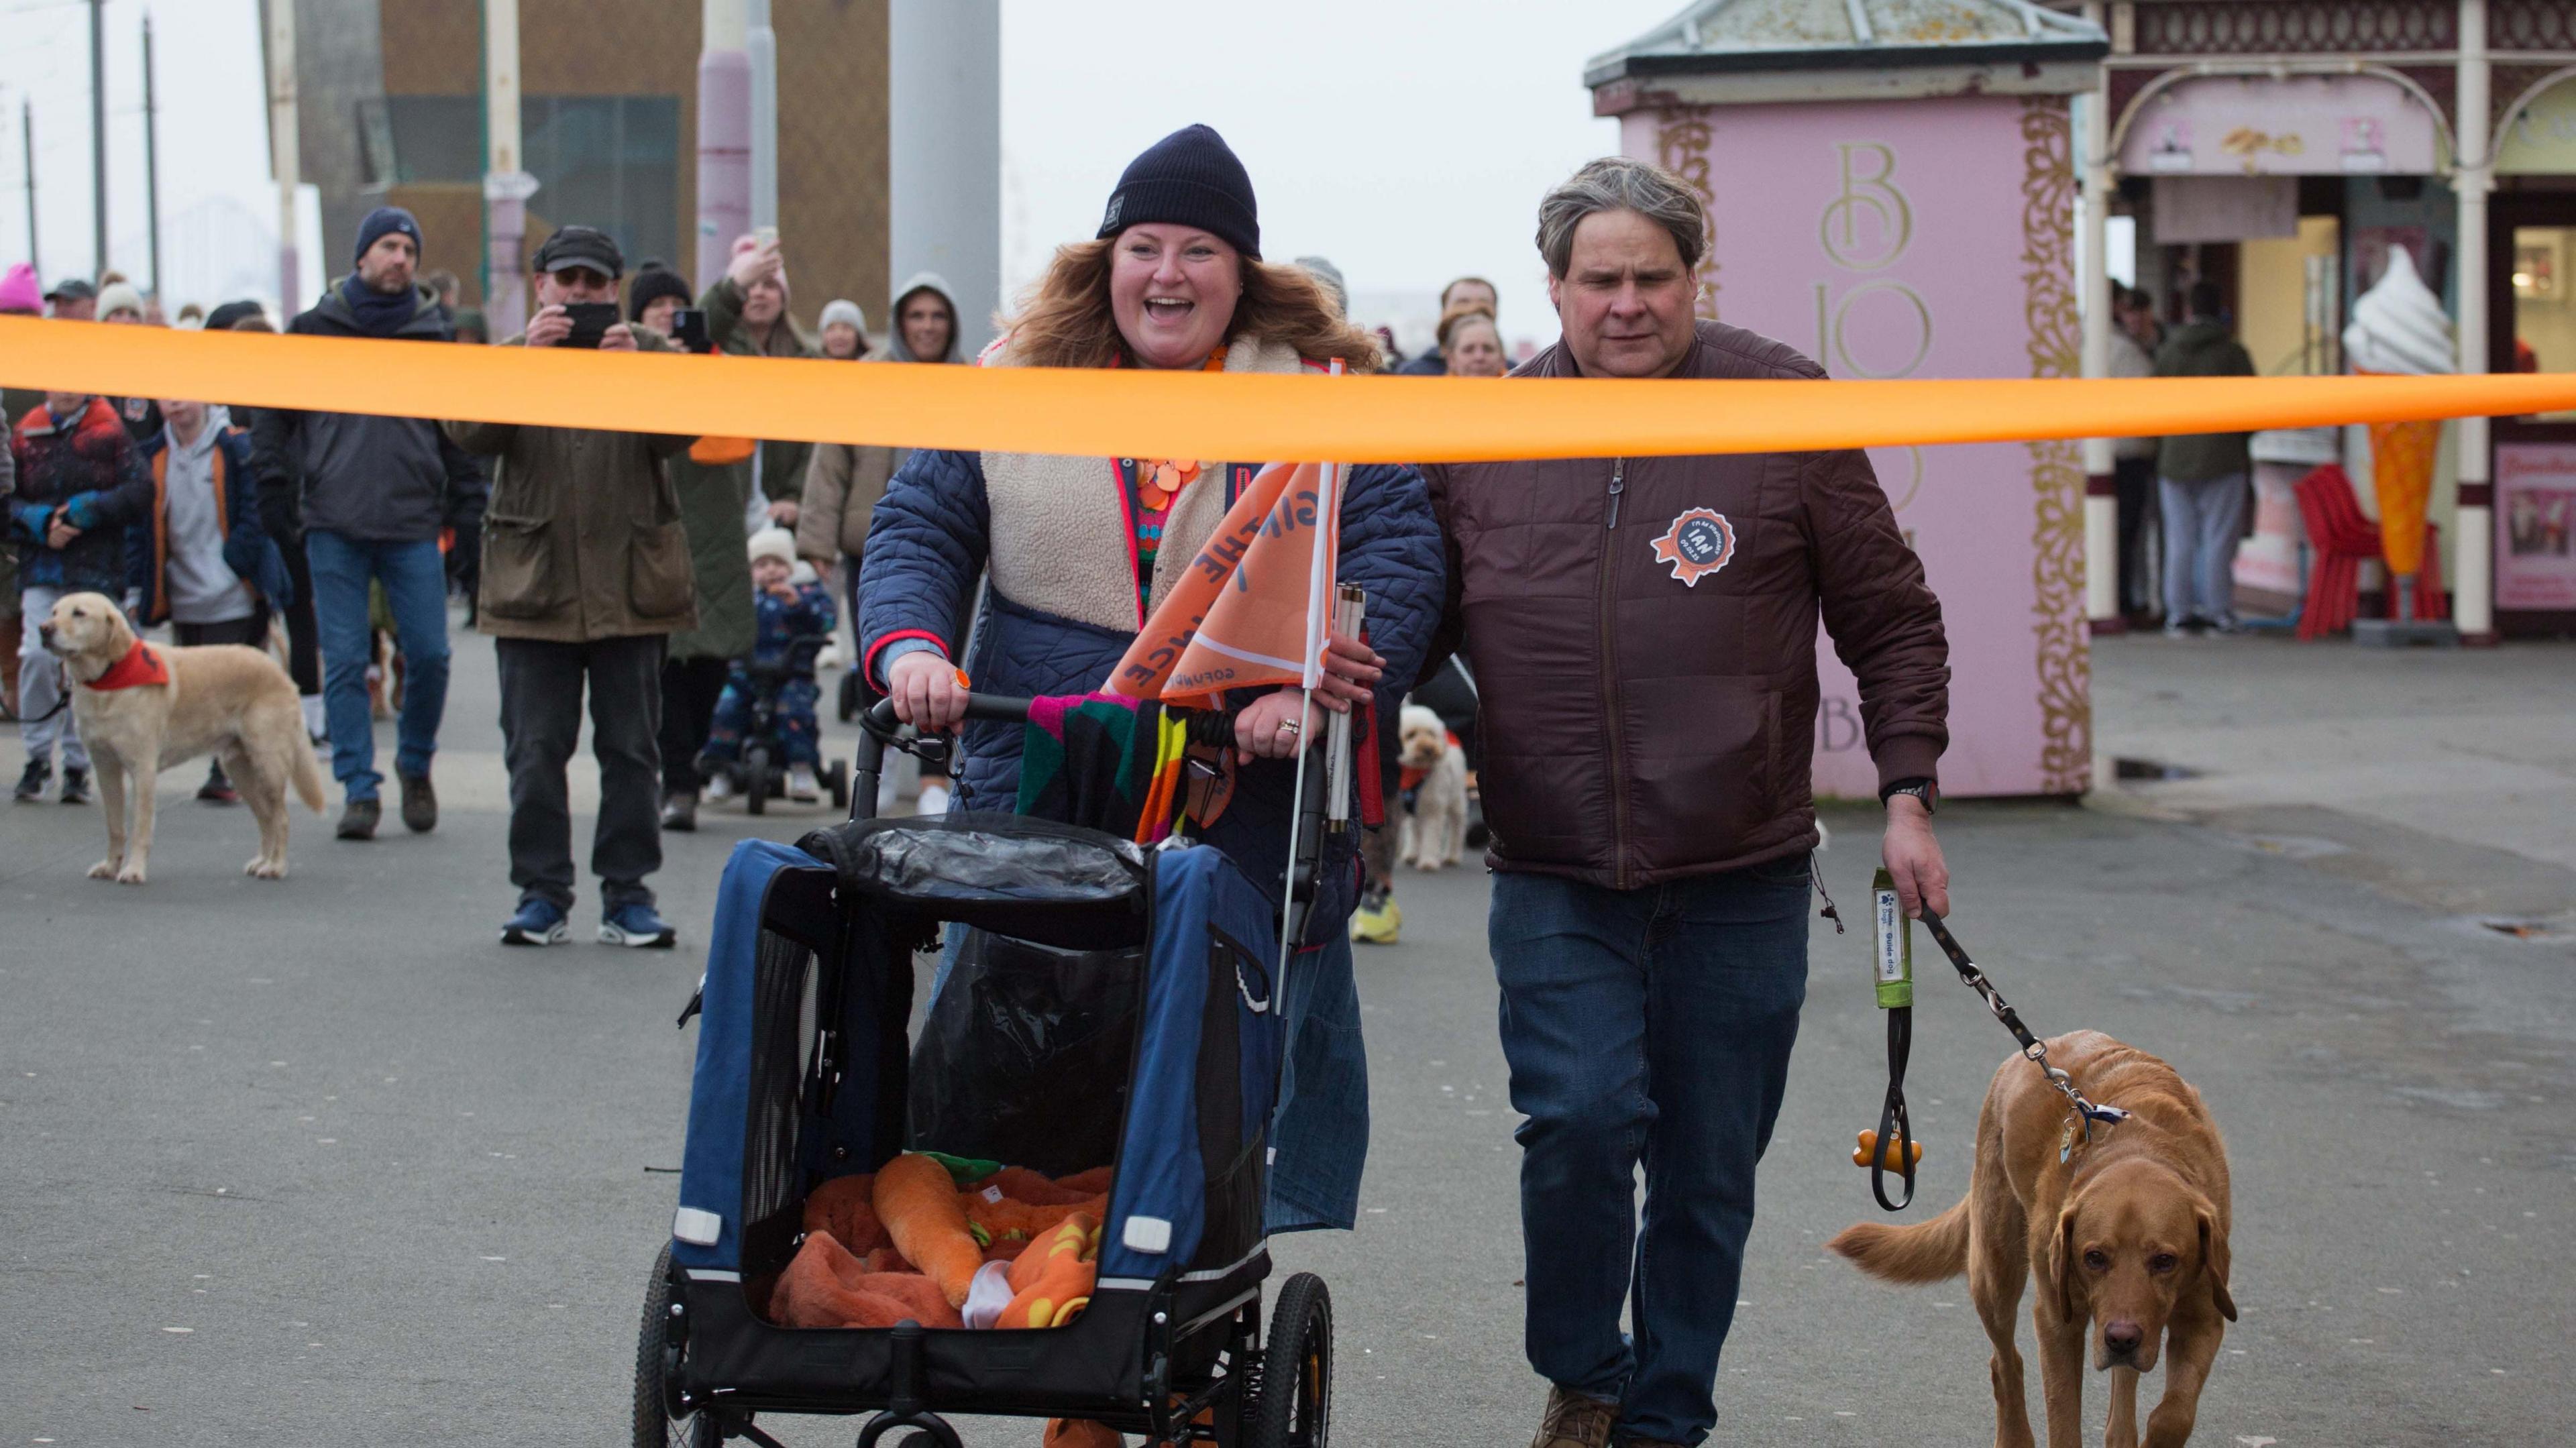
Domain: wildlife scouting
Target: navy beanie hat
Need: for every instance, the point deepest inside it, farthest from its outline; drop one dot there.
(384, 221)
(651, 283)
(1188, 178)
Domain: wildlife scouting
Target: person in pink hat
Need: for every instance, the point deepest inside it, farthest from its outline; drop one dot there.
(20, 294)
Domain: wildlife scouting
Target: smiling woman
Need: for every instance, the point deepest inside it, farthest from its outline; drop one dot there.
(1076, 550)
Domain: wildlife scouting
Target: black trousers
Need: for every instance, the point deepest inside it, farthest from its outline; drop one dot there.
(252, 631)
(303, 635)
(541, 700)
(2134, 479)
(690, 688)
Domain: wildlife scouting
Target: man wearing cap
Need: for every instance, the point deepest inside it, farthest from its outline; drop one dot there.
(73, 300)
(585, 577)
(366, 497)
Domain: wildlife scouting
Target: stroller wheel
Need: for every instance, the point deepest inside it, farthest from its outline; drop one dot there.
(1295, 1408)
(838, 778)
(657, 1425)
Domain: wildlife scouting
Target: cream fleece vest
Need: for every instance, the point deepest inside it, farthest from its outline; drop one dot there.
(1059, 536)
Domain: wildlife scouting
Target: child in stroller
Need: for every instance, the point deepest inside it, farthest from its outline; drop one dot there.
(763, 741)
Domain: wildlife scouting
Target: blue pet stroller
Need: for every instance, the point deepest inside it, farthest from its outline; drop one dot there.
(806, 1071)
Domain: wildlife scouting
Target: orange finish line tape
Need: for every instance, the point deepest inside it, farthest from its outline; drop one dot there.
(1125, 412)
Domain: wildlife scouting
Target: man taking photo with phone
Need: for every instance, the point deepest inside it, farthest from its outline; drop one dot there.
(585, 576)
(364, 498)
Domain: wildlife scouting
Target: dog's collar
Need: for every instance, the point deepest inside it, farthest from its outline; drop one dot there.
(142, 664)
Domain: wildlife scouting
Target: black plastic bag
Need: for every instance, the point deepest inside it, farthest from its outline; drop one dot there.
(1024, 1057)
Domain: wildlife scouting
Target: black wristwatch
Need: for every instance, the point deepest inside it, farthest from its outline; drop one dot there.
(1925, 790)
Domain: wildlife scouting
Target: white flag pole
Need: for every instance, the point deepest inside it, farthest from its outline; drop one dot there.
(1319, 607)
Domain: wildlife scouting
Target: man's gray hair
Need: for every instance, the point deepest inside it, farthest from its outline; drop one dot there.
(1620, 183)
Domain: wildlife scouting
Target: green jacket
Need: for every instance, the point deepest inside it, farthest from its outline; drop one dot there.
(782, 464)
(712, 501)
(582, 539)
(2203, 348)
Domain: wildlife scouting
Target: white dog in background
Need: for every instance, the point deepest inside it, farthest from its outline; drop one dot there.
(1434, 832)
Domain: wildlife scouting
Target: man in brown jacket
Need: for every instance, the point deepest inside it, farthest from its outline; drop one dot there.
(585, 576)
(1643, 635)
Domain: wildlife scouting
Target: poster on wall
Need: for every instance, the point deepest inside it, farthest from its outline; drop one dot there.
(1924, 238)
(2535, 507)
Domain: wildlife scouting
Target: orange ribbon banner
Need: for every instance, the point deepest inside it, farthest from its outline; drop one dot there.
(1124, 412)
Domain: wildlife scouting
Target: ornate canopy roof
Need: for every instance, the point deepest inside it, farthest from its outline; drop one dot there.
(1998, 39)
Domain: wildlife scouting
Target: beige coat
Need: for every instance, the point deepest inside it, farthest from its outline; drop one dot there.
(842, 486)
(583, 538)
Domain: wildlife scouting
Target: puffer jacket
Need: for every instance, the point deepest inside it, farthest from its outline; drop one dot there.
(937, 529)
(86, 471)
(583, 540)
(782, 464)
(1643, 635)
(2203, 348)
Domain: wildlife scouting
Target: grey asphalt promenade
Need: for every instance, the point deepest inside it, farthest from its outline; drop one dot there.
(319, 1162)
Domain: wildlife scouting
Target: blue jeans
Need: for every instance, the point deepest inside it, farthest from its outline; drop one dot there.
(1651, 1024)
(415, 580)
(2202, 523)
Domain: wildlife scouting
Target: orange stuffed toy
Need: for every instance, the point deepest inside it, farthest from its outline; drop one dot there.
(917, 1200)
(846, 1208)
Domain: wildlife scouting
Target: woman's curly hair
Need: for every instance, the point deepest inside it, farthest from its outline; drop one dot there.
(1065, 321)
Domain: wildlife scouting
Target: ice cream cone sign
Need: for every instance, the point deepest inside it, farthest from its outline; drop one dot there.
(2399, 328)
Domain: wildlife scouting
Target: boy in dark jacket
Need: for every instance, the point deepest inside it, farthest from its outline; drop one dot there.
(788, 611)
(198, 557)
(79, 482)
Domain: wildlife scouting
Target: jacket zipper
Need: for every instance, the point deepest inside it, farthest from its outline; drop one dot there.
(1610, 678)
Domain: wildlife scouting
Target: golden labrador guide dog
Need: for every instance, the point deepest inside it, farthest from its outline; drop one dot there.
(2127, 1233)
(143, 708)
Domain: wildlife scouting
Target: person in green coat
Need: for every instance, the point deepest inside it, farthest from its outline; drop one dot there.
(713, 500)
(747, 317)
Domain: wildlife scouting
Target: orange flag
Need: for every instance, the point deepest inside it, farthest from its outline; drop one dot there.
(1242, 615)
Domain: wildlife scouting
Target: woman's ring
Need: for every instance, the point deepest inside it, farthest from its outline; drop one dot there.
(1290, 726)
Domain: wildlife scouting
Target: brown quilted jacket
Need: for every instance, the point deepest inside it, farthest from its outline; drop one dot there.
(1639, 726)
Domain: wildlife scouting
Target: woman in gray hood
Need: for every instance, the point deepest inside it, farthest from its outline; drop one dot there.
(843, 482)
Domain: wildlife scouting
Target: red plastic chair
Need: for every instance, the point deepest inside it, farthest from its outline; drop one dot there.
(2340, 537)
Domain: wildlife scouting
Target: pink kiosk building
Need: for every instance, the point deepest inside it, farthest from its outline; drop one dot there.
(1891, 189)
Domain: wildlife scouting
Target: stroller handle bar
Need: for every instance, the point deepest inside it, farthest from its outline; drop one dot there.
(878, 728)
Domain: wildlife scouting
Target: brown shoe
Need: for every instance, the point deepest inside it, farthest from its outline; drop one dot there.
(1575, 1421)
(358, 820)
(419, 804)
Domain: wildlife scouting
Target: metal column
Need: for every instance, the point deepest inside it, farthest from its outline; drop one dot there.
(724, 137)
(2101, 489)
(944, 154)
(2473, 534)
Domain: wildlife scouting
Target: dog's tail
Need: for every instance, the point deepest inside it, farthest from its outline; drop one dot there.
(307, 772)
(1926, 1252)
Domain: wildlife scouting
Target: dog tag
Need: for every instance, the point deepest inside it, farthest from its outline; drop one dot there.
(1894, 964)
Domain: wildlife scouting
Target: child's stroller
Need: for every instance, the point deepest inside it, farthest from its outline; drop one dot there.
(759, 772)
(1160, 963)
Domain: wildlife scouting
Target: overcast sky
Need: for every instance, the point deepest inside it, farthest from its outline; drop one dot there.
(1407, 141)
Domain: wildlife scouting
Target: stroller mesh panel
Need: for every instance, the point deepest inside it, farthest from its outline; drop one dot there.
(782, 1033)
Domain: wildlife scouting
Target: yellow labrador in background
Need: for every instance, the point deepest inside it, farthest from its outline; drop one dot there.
(220, 699)
(2127, 1234)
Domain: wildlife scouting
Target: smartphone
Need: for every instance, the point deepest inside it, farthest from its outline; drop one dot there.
(590, 322)
(766, 236)
(689, 329)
